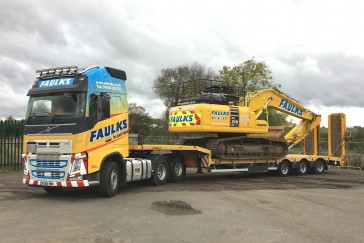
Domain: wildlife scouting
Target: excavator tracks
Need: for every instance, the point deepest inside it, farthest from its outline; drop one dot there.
(242, 147)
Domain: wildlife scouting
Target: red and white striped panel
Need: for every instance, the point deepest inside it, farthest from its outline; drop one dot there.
(83, 183)
(205, 161)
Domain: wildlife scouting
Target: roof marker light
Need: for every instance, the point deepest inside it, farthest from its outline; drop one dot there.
(58, 71)
(44, 72)
(65, 70)
(73, 69)
(38, 73)
(51, 71)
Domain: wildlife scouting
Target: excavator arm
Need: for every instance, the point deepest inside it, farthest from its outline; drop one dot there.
(259, 100)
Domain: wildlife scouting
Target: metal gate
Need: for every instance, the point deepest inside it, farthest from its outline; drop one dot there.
(11, 141)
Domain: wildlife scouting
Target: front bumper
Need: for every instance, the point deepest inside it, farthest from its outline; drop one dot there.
(83, 183)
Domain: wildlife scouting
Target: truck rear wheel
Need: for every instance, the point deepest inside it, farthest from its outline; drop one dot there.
(284, 168)
(319, 167)
(302, 167)
(177, 169)
(160, 170)
(109, 180)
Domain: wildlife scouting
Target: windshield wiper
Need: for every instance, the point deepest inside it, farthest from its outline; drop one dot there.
(36, 118)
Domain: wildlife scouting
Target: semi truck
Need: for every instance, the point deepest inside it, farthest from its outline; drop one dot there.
(76, 134)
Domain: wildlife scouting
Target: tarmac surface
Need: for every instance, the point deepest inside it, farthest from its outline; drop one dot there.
(205, 207)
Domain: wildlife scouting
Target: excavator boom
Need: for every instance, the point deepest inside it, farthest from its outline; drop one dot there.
(261, 99)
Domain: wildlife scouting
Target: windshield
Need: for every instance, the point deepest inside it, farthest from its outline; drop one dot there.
(64, 104)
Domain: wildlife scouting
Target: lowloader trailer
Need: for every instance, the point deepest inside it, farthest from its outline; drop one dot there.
(77, 135)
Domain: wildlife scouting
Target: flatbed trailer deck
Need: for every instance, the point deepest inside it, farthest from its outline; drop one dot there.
(195, 156)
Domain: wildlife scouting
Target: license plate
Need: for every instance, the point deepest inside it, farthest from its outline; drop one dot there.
(47, 183)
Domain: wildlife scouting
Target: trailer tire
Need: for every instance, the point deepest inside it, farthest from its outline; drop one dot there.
(319, 167)
(52, 190)
(284, 168)
(302, 167)
(160, 173)
(109, 180)
(177, 169)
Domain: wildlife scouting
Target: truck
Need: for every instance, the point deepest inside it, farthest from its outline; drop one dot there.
(76, 134)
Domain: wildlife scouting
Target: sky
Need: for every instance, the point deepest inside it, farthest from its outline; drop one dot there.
(313, 48)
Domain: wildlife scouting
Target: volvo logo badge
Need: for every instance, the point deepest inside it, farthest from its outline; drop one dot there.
(48, 129)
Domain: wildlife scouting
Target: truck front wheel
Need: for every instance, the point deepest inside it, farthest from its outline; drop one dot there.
(109, 180)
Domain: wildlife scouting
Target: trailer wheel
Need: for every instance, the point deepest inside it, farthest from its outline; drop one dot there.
(319, 167)
(302, 167)
(284, 169)
(160, 170)
(177, 169)
(52, 190)
(109, 180)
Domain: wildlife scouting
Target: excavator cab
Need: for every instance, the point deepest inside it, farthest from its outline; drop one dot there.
(216, 94)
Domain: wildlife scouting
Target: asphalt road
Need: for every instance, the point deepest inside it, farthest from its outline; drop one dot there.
(202, 208)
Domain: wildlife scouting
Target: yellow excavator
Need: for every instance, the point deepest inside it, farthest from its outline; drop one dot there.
(230, 127)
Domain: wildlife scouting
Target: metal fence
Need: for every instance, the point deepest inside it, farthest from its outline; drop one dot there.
(11, 142)
(353, 160)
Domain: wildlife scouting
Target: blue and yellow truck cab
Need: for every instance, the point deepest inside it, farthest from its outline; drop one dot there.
(76, 129)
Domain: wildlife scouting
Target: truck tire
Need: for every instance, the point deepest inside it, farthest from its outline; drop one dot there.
(177, 169)
(302, 167)
(160, 170)
(319, 167)
(284, 168)
(52, 190)
(109, 180)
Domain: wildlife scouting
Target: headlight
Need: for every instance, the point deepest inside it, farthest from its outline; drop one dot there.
(76, 167)
(25, 166)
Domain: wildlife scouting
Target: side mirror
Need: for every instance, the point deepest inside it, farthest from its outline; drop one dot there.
(99, 107)
(95, 109)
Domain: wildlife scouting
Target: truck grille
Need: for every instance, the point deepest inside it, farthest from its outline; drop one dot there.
(48, 163)
(48, 174)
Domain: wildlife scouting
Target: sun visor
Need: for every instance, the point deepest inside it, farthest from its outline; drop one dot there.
(76, 83)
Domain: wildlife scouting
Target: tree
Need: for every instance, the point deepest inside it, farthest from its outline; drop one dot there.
(159, 127)
(250, 75)
(164, 83)
(10, 118)
(140, 121)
